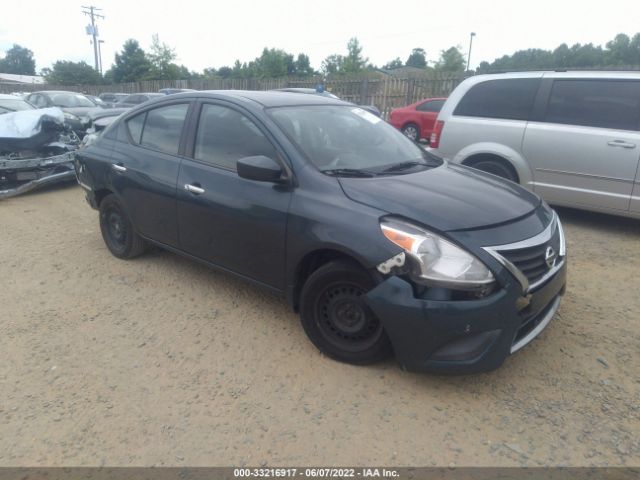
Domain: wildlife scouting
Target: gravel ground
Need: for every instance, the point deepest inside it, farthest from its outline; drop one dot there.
(161, 361)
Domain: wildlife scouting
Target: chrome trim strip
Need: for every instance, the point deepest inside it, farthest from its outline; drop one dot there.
(577, 174)
(539, 239)
(541, 326)
(515, 271)
(84, 185)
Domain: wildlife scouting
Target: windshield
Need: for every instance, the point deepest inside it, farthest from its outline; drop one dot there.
(15, 105)
(69, 100)
(348, 140)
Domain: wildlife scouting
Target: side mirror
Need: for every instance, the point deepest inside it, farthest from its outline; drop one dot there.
(259, 168)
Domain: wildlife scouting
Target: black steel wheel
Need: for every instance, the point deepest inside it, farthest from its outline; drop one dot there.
(337, 319)
(117, 231)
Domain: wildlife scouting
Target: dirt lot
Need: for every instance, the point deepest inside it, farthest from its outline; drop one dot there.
(161, 361)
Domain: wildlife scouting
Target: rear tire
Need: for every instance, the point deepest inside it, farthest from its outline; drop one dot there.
(411, 131)
(496, 167)
(117, 230)
(336, 318)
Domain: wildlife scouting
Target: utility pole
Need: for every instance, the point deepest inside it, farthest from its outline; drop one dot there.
(93, 30)
(100, 42)
(473, 34)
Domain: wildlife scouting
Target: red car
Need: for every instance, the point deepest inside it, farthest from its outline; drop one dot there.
(417, 120)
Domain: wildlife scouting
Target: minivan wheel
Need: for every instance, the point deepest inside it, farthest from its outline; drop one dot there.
(496, 167)
(117, 230)
(336, 318)
(412, 131)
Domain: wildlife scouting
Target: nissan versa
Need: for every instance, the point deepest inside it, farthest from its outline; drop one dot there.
(381, 246)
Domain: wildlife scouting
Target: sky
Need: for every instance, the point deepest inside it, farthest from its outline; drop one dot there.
(216, 33)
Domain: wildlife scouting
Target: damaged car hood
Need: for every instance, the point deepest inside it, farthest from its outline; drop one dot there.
(444, 201)
(36, 148)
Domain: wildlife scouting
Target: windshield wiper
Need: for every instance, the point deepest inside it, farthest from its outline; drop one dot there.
(349, 172)
(403, 166)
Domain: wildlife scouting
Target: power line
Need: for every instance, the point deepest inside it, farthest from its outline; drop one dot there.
(93, 30)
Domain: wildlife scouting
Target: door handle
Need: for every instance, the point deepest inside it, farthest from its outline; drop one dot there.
(621, 143)
(119, 168)
(194, 189)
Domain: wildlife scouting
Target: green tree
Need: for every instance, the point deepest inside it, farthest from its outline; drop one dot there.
(18, 60)
(73, 73)
(274, 63)
(395, 63)
(131, 65)
(332, 64)
(303, 66)
(354, 62)
(161, 58)
(451, 60)
(418, 58)
(619, 50)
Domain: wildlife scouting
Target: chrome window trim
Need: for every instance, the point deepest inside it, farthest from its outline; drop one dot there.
(542, 237)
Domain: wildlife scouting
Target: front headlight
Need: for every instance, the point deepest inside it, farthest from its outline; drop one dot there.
(437, 262)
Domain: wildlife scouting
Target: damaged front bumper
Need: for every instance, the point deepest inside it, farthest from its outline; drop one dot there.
(21, 175)
(462, 336)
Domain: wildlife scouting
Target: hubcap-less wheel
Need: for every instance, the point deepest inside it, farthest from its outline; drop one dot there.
(411, 131)
(116, 227)
(117, 230)
(344, 320)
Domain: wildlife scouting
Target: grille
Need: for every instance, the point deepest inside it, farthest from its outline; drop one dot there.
(531, 260)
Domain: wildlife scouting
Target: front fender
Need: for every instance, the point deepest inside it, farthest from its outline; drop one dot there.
(522, 167)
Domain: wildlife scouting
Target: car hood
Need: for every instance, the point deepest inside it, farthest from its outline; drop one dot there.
(448, 197)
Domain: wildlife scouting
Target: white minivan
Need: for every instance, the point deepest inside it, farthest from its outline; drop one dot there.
(572, 137)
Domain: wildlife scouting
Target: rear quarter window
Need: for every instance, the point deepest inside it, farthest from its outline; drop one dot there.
(510, 99)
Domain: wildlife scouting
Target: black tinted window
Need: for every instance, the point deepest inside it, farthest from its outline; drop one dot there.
(163, 127)
(225, 135)
(430, 106)
(509, 98)
(595, 103)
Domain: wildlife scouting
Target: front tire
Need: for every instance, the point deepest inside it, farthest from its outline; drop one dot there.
(117, 230)
(411, 131)
(336, 318)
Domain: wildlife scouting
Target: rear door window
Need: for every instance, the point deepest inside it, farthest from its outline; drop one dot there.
(510, 98)
(595, 103)
(159, 129)
(430, 106)
(225, 135)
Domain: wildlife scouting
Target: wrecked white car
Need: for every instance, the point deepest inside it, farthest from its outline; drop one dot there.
(36, 148)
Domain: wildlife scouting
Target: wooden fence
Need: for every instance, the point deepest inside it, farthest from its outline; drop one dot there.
(384, 92)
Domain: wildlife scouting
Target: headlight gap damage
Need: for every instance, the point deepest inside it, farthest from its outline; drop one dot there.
(445, 311)
(36, 149)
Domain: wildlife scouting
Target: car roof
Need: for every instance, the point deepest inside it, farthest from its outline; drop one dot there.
(59, 91)
(4, 96)
(268, 98)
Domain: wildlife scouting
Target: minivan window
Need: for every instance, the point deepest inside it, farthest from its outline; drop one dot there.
(163, 128)
(430, 106)
(510, 99)
(595, 103)
(225, 135)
